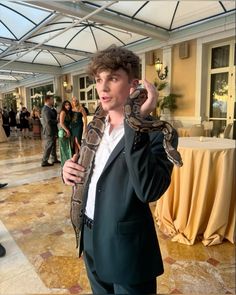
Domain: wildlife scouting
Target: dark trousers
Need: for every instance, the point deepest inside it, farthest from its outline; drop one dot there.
(50, 149)
(100, 287)
(7, 129)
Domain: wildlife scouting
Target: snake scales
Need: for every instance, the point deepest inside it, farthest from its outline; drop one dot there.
(91, 142)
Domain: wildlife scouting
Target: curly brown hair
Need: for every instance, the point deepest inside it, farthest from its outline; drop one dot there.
(114, 58)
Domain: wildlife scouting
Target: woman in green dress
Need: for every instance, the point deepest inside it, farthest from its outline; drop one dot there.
(64, 133)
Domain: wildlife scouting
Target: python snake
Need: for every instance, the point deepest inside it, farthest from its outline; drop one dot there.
(92, 140)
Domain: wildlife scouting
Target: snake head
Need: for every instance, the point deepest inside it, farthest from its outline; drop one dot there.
(139, 95)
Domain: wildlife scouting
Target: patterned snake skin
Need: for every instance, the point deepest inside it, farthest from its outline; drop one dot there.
(91, 142)
(134, 120)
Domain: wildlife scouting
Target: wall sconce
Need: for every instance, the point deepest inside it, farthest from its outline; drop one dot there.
(65, 84)
(65, 81)
(158, 67)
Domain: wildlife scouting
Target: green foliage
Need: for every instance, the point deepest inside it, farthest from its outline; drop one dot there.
(168, 101)
(10, 101)
(160, 86)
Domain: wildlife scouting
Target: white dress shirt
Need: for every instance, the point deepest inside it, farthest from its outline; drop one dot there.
(107, 145)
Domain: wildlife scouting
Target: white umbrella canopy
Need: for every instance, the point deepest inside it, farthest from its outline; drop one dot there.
(84, 38)
(17, 19)
(171, 15)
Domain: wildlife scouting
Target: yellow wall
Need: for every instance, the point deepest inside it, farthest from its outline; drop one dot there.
(183, 78)
(151, 74)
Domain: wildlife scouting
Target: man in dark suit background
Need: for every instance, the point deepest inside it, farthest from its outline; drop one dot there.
(49, 122)
(131, 169)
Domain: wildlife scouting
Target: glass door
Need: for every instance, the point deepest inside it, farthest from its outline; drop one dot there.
(222, 87)
(87, 93)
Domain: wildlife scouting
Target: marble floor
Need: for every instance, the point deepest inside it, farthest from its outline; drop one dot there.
(41, 257)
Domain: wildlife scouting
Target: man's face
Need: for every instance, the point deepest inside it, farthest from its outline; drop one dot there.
(51, 101)
(113, 89)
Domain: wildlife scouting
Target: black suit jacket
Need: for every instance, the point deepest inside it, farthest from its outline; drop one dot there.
(126, 248)
(49, 121)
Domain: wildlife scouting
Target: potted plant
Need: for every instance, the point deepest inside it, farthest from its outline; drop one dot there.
(166, 104)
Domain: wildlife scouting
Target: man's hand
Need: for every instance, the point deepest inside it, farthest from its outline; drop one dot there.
(150, 104)
(72, 172)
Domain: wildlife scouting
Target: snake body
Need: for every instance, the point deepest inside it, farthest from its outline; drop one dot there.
(92, 140)
(86, 157)
(135, 121)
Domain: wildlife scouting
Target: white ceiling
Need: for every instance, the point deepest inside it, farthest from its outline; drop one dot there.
(46, 36)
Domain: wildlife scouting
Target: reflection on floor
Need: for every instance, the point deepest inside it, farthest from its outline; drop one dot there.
(41, 257)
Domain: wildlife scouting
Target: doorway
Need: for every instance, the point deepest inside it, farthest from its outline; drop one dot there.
(222, 87)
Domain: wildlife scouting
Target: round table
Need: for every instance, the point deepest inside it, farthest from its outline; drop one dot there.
(200, 201)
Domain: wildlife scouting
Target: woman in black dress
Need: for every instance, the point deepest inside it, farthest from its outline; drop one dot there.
(78, 124)
(12, 116)
(24, 121)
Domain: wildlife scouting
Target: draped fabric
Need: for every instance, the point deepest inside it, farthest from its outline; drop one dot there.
(200, 202)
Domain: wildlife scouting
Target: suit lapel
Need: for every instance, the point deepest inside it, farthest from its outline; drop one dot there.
(119, 147)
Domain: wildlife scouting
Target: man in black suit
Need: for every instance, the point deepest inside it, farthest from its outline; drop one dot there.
(49, 122)
(131, 169)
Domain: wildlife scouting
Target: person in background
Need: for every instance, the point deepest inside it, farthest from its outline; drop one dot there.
(35, 116)
(85, 108)
(49, 122)
(6, 121)
(12, 116)
(64, 133)
(24, 122)
(3, 137)
(130, 169)
(18, 120)
(78, 124)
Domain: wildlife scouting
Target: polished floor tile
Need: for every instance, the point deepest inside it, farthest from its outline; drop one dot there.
(41, 257)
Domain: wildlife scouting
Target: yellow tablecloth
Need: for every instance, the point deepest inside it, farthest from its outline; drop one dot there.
(183, 131)
(200, 201)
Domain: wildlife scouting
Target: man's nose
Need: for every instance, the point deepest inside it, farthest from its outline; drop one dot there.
(105, 86)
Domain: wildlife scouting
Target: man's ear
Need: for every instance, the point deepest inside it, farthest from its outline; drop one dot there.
(134, 83)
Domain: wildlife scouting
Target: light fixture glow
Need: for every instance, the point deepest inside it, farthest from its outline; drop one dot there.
(158, 67)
